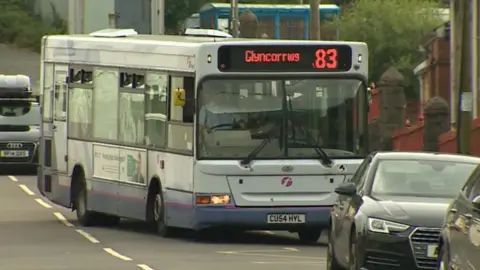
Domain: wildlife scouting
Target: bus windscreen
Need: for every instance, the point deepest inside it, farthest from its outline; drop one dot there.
(285, 58)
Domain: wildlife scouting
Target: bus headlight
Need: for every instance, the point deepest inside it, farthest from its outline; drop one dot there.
(212, 199)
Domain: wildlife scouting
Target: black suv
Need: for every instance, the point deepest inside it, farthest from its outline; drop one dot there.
(460, 237)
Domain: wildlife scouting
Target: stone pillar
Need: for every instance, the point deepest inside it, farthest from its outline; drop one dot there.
(392, 106)
(436, 122)
(248, 24)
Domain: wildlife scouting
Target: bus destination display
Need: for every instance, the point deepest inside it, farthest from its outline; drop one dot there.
(284, 58)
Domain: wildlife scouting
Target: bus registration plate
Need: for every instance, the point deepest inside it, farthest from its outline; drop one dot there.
(13, 154)
(286, 218)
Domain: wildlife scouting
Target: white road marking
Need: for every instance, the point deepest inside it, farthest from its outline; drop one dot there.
(62, 219)
(26, 190)
(88, 236)
(144, 267)
(290, 249)
(116, 254)
(42, 203)
(12, 178)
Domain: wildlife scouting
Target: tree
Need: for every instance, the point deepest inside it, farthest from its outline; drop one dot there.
(176, 11)
(393, 30)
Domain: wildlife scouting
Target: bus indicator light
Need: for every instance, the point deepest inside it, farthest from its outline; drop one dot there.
(285, 58)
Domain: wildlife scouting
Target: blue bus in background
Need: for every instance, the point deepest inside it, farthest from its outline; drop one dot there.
(276, 21)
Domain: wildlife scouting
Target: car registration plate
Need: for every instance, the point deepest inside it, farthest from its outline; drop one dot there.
(13, 153)
(285, 218)
(432, 251)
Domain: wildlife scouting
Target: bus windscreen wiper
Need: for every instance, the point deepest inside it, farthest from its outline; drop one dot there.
(326, 161)
(246, 161)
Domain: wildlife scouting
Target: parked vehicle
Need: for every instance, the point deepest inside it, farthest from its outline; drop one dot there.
(459, 246)
(389, 215)
(20, 120)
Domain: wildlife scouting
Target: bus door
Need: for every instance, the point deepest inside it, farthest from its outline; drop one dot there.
(45, 158)
(60, 101)
(54, 139)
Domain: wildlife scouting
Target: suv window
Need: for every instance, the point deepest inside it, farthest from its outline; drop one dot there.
(19, 114)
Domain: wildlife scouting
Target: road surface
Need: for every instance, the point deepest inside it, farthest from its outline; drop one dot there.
(38, 235)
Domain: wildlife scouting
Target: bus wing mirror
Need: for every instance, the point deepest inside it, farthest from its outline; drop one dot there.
(179, 97)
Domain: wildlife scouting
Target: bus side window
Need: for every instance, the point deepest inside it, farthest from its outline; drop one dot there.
(60, 92)
(189, 108)
(156, 109)
(80, 105)
(180, 127)
(48, 83)
(105, 91)
(132, 108)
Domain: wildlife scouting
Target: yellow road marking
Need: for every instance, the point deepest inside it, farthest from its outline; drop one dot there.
(116, 254)
(144, 267)
(88, 236)
(62, 219)
(42, 203)
(26, 190)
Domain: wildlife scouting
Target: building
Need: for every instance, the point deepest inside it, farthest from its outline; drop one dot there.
(86, 16)
(435, 71)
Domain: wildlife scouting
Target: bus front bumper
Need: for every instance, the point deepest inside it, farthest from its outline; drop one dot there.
(257, 218)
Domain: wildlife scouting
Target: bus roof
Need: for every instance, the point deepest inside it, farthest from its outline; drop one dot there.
(111, 50)
(65, 41)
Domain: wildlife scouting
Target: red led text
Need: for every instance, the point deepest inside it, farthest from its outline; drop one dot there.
(254, 57)
(325, 59)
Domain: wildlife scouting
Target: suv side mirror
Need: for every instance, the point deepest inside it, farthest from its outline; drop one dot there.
(476, 202)
(347, 189)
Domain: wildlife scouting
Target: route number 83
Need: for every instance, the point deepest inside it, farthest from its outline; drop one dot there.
(325, 58)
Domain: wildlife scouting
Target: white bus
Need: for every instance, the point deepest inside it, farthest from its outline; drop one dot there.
(198, 133)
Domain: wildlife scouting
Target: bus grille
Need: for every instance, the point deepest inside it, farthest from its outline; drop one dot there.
(419, 240)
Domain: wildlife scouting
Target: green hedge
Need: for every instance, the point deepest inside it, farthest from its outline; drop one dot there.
(19, 25)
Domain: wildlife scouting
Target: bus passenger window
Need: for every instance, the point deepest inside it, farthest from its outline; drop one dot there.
(48, 92)
(105, 90)
(132, 109)
(60, 93)
(180, 129)
(80, 103)
(176, 113)
(188, 109)
(156, 109)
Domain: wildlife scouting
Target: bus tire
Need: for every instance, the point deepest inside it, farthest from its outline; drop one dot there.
(85, 217)
(159, 215)
(309, 235)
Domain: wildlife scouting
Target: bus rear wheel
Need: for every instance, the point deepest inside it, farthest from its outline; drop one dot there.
(85, 217)
(159, 216)
(89, 218)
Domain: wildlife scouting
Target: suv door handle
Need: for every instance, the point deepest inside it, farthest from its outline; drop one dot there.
(453, 210)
